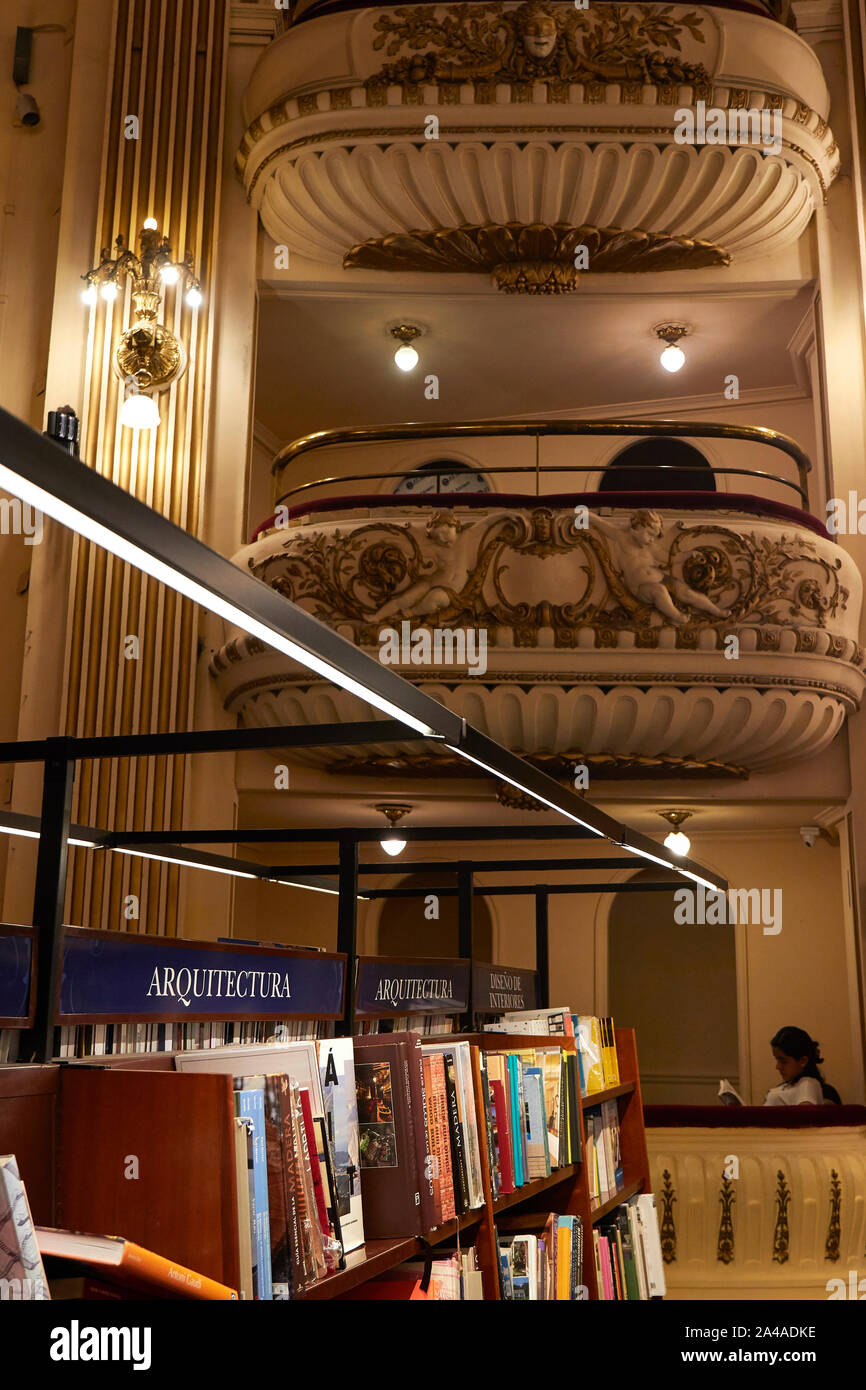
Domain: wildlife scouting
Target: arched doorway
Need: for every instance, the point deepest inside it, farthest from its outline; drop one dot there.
(676, 986)
(688, 470)
(404, 930)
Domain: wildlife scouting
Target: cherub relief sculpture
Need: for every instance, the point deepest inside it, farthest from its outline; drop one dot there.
(538, 41)
(634, 554)
(442, 575)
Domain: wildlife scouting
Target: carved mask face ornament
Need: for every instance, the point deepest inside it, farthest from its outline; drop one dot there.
(539, 36)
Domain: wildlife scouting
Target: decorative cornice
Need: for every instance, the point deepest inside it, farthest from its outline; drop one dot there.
(533, 258)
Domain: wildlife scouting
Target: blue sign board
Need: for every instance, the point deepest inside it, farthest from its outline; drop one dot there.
(16, 959)
(385, 986)
(112, 976)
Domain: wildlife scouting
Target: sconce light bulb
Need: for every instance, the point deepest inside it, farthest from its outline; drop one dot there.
(139, 412)
(109, 291)
(194, 297)
(170, 274)
(89, 295)
(150, 224)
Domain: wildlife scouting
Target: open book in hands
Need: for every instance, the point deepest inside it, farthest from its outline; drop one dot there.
(728, 1096)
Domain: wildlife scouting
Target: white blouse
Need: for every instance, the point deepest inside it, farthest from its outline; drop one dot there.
(806, 1090)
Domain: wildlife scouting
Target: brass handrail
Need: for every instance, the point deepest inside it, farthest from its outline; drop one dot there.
(381, 434)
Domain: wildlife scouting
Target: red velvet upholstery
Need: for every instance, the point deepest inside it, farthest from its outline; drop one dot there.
(676, 501)
(753, 1116)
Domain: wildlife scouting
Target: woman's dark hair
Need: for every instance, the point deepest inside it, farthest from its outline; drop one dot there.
(796, 1043)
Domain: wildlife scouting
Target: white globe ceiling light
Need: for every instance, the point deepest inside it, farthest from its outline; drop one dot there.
(672, 358)
(406, 357)
(391, 844)
(676, 841)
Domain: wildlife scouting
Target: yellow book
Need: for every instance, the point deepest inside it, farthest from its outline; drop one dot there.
(612, 1061)
(563, 1262)
(589, 1041)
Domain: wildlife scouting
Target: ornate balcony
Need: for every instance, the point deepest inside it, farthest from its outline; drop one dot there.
(678, 632)
(497, 138)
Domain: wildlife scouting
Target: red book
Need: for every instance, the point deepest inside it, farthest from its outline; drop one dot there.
(503, 1127)
(438, 1101)
(315, 1166)
(390, 1181)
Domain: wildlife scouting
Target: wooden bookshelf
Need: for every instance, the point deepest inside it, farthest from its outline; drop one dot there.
(36, 1103)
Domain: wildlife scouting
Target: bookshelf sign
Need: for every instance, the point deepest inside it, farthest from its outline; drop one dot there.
(497, 989)
(107, 975)
(388, 985)
(16, 959)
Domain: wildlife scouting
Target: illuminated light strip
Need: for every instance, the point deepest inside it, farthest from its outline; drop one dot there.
(521, 787)
(135, 555)
(676, 868)
(190, 863)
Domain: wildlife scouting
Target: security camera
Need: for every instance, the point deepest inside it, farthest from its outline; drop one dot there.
(810, 834)
(26, 109)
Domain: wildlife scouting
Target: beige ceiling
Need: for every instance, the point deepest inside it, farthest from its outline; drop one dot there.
(325, 358)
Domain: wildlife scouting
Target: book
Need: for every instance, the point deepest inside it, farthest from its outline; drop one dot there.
(279, 1205)
(337, 1075)
(243, 1165)
(21, 1270)
(538, 1156)
(250, 1093)
(389, 1175)
(410, 1044)
(589, 1044)
(122, 1261)
(728, 1095)
(502, 1125)
(436, 1099)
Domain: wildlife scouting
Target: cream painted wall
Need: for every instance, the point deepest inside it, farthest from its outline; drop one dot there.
(29, 229)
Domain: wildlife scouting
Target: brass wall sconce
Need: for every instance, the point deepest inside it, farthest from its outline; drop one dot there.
(148, 356)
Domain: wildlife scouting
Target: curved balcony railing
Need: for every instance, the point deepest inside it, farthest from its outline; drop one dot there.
(537, 429)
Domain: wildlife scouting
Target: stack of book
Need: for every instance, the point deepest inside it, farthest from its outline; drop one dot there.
(531, 1113)
(604, 1168)
(596, 1040)
(123, 1039)
(627, 1249)
(452, 1276)
(545, 1267)
(297, 1160)
(596, 1049)
(425, 1024)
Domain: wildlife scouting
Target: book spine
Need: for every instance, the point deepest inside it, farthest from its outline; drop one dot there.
(458, 1159)
(414, 1073)
(252, 1108)
(416, 1170)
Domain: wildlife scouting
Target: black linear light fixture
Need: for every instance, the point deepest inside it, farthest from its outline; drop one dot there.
(85, 837)
(67, 490)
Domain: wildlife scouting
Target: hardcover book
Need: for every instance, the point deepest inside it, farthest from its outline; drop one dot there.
(337, 1073)
(21, 1269)
(389, 1177)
